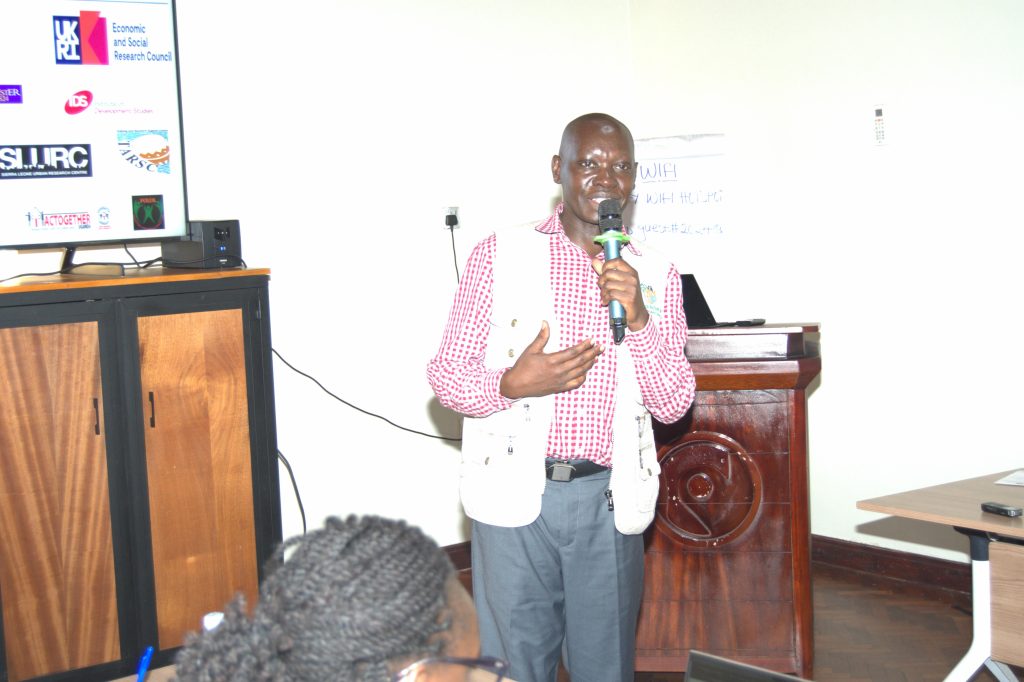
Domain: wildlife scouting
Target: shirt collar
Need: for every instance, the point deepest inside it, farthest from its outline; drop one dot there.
(553, 225)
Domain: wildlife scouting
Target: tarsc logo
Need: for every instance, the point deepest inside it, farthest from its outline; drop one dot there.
(78, 102)
(145, 149)
(81, 39)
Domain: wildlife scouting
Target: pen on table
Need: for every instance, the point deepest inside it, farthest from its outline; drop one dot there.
(144, 664)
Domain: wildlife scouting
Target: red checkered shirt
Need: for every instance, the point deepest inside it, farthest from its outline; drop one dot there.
(582, 425)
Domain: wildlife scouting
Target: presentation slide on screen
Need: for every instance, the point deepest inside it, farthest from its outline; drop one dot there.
(90, 124)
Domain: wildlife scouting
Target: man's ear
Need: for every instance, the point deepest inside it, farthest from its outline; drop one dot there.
(556, 169)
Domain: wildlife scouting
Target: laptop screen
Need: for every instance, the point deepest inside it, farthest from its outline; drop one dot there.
(704, 667)
(698, 312)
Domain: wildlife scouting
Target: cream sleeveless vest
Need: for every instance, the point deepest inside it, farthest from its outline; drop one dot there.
(502, 474)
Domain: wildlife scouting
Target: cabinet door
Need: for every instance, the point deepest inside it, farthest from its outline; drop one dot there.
(57, 585)
(198, 460)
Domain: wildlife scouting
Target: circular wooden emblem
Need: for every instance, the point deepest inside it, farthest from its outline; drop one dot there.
(711, 490)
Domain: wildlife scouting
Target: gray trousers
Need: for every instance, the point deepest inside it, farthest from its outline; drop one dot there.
(569, 579)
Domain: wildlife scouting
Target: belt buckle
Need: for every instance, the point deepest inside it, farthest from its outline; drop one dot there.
(562, 471)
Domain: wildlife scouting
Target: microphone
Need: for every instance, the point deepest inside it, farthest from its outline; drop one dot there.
(609, 213)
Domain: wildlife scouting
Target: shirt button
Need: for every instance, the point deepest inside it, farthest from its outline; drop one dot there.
(511, 352)
(515, 322)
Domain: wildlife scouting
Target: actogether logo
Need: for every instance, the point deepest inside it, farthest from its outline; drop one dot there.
(10, 94)
(75, 220)
(145, 149)
(81, 39)
(78, 102)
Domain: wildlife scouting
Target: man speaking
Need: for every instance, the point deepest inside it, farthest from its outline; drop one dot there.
(559, 470)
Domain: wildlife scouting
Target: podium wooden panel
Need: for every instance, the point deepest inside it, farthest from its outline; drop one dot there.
(728, 555)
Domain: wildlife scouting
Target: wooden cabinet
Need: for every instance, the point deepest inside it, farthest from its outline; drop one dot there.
(728, 554)
(57, 562)
(138, 475)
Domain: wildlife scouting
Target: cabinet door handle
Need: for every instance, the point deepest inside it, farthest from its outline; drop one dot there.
(96, 409)
(152, 411)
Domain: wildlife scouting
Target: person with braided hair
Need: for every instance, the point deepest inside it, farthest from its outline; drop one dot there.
(364, 599)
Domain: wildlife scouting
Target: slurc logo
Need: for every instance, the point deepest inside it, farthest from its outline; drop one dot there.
(78, 102)
(46, 160)
(81, 39)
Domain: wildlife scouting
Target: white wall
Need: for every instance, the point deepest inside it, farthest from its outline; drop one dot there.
(337, 131)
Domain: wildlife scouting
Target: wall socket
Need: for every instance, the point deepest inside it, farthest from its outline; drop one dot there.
(451, 211)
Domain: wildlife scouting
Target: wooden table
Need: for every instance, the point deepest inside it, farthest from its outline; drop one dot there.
(997, 563)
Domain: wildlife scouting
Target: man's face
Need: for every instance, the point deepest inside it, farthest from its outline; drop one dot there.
(595, 164)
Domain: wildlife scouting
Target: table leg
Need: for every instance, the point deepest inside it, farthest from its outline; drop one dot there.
(980, 652)
(1001, 671)
(981, 602)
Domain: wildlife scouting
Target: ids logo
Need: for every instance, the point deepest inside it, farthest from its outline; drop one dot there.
(145, 149)
(148, 211)
(78, 102)
(81, 39)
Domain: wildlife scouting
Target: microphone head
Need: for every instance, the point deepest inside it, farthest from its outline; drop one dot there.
(609, 213)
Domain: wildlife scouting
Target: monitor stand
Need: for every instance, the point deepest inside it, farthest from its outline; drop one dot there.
(68, 267)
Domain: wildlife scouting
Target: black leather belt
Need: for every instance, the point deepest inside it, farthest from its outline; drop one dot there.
(563, 470)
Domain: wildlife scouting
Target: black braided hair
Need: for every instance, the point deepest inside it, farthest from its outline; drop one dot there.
(350, 599)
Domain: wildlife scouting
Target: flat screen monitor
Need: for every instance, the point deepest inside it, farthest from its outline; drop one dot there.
(90, 123)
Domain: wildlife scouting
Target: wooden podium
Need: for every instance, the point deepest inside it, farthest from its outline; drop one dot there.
(728, 555)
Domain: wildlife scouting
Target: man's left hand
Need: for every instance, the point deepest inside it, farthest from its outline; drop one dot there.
(619, 281)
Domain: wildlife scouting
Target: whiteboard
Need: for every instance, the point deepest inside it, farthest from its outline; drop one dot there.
(680, 200)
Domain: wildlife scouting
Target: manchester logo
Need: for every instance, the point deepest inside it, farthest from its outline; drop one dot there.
(10, 94)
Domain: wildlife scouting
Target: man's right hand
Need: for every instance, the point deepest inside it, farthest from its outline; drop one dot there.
(537, 373)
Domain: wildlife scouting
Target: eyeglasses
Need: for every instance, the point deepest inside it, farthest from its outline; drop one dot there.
(485, 669)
